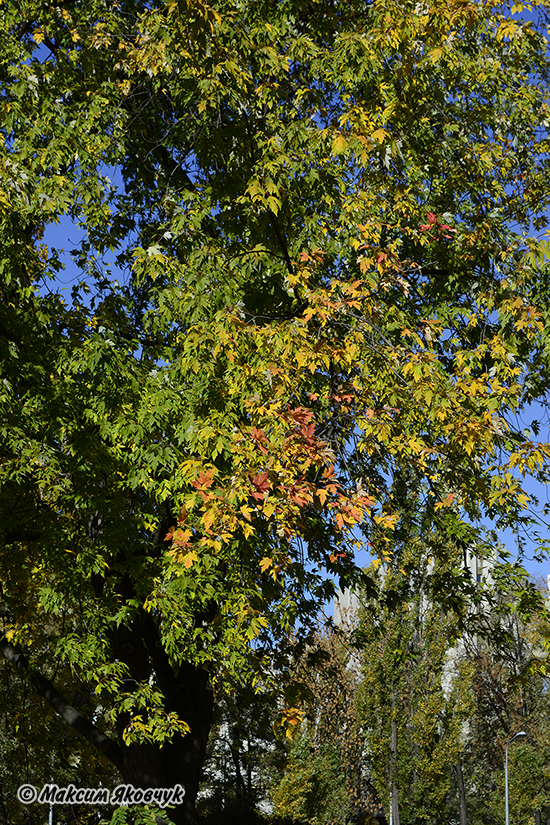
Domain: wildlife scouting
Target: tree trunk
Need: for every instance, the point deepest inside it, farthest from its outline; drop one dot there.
(187, 693)
(462, 807)
(181, 760)
(394, 787)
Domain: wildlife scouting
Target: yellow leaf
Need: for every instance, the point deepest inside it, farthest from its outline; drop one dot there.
(247, 530)
(339, 144)
(380, 135)
(189, 558)
(265, 563)
(435, 54)
(208, 518)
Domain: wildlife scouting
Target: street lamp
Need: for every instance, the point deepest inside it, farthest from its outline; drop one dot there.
(519, 735)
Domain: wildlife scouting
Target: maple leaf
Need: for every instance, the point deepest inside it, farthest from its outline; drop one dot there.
(300, 495)
(181, 537)
(290, 721)
(307, 432)
(203, 479)
(189, 558)
(261, 485)
(301, 415)
(432, 221)
(446, 502)
(258, 436)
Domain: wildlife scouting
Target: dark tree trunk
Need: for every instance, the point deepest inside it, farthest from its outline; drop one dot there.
(179, 762)
(187, 693)
(462, 806)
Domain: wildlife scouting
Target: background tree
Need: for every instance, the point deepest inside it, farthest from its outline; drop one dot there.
(440, 698)
(244, 759)
(324, 780)
(412, 737)
(508, 692)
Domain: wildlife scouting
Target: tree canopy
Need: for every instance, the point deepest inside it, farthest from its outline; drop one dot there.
(312, 297)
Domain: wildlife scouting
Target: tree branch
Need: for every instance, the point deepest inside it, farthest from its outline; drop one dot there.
(72, 716)
(280, 238)
(22, 30)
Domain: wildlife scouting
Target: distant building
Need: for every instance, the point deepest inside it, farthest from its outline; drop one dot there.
(346, 602)
(346, 607)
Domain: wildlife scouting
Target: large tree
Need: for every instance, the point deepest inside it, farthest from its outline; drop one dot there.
(305, 282)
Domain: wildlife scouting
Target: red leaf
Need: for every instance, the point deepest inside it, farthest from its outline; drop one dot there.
(262, 484)
(301, 415)
(259, 437)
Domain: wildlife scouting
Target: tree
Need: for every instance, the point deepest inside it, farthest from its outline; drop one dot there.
(324, 780)
(322, 284)
(507, 687)
(412, 728)
(441, 696)
(244, 757)
(26, 735)
(312, 789)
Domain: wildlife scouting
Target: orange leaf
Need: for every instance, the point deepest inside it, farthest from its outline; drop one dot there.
(204, 479)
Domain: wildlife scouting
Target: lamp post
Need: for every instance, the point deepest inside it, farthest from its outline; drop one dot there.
(519, 735)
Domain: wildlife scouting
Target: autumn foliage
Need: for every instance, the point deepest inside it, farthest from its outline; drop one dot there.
(307, 278)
